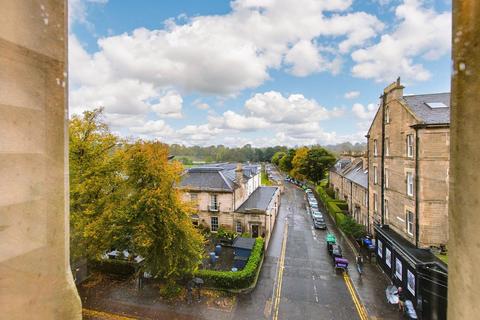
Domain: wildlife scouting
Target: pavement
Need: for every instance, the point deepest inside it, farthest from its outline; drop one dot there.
(297, 281)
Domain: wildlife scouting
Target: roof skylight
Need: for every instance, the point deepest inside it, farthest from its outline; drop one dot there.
(436, 105)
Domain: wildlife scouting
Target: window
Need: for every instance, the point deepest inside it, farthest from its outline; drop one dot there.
(398, 269)
(410, 222)
(411, 282)
(238, 227)
(410, 184)
(214, 223)
(375, 203)
(387, 114)
(387, 146)
(388, 257)
(380, 248)
(365, 201)
(386, 178)
(375, 148)
(410, 145)
(214, 202)
(386, 209)
(375, 175)
(193, 196)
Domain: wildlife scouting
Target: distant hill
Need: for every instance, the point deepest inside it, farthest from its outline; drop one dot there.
(347, 148)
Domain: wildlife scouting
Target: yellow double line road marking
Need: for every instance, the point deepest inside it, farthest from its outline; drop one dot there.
(281, 263)
(362, 312)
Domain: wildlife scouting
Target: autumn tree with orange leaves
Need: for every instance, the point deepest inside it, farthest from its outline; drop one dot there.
(122, 196)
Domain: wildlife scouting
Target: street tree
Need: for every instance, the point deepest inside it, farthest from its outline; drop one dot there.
(95, 183)
(318, 161)
(159, 222)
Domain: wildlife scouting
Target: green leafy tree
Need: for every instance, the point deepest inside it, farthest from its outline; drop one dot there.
(277, 156)
(95, 183)
(285, 163)
(317, 163)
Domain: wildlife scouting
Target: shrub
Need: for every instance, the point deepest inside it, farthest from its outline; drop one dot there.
(223, 234)
(235, 280)
(170, 290)
(351, 228)
(115, 266)
(342, 205)
(330, 192)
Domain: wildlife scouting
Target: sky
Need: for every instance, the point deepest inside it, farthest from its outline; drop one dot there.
(262, 72)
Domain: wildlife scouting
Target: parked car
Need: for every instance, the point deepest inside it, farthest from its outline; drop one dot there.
(316, 214)
(309, 191)
(319, 223)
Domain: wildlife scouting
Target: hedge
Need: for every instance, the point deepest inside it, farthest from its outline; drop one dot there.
(114, 266)
(235, 280)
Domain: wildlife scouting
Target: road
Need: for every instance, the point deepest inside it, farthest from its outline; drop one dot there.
(297, 280)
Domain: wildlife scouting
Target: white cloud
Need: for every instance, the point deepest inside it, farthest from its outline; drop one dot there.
(364, 113)
(232, 120)
(421, 33)
(169, 106)
(352, 94)
(305, 59)
(155, 129)
(275, 108)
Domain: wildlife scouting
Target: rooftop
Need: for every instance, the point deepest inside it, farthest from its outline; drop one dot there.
(258, 200)
(427, 107)
(216, 177)
(244, 243)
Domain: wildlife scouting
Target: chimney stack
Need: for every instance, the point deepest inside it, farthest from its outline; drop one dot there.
(394, 90)
(239, 173)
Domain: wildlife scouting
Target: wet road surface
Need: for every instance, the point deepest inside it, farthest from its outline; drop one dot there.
(310, 288)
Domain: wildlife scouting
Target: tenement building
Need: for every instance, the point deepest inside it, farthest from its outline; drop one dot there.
(349, 180)
(408, 159)
(230, 196)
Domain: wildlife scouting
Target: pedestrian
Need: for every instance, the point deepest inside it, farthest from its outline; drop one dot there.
(360, 264)
(401, 299)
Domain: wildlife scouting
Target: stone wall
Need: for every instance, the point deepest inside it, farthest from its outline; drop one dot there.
(35, 279)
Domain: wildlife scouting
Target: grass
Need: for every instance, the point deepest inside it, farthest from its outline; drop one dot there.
(265, 180)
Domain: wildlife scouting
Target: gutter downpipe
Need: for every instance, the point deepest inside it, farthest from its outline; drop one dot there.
(417, 179)
(368, 184)
(382, 170)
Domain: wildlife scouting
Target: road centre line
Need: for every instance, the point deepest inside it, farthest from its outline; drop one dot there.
(278, 288)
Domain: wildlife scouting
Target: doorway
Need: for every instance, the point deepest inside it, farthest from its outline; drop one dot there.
(254, 230)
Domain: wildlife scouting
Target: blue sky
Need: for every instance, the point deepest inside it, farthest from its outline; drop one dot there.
(262, 72)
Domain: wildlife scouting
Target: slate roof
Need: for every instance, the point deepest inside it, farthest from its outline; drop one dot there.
(215, 177)
(428, 115)
(340, 165)
(244, 243)
(258, 200)
(358, 175)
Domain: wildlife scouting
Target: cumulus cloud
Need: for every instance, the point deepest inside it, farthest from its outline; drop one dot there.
(364, 112)
(169, 106)
(276, 108)
(352, 94)
(422, 33)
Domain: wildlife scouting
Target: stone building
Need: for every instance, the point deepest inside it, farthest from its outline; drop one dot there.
(231, 196)
(408, 159)
(349, 180)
